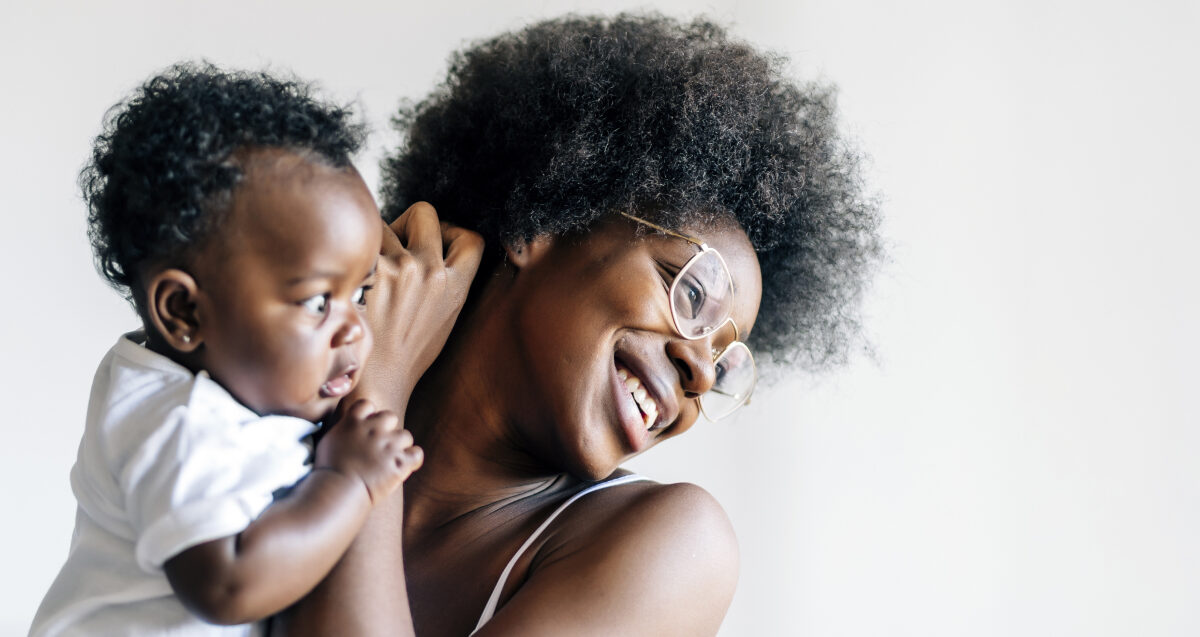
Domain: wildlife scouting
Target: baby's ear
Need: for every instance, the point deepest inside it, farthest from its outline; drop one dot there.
(523, 253)
(171, 308)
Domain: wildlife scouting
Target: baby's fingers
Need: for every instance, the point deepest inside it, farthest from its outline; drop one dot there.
(410, 460)
(398, 438)
(360, 410)
(387, 422)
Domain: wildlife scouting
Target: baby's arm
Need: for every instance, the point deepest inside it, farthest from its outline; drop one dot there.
(286, 552)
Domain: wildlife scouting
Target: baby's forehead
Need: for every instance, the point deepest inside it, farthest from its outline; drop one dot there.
(279, 186)
(289, 205)
(278, 162)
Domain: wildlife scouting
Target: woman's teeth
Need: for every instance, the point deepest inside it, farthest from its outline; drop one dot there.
(644, 401)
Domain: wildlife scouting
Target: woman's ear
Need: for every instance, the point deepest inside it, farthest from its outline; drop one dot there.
(523, 253)
(171, 308)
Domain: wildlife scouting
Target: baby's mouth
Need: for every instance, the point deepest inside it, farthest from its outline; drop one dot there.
(339, 385)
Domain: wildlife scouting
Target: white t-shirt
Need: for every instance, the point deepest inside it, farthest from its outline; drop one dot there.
(168, 460)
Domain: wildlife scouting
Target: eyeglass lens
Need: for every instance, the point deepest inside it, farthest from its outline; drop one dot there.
(735, 379)
(701, 302)
(702, 295)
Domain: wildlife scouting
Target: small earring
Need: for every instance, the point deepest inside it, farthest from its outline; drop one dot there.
(187, 338)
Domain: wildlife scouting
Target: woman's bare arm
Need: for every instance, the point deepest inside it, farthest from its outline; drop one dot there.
(365, 594)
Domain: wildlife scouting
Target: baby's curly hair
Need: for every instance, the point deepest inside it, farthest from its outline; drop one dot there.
(548, 129)
(163, 168)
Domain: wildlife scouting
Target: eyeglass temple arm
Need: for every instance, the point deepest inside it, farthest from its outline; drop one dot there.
(663, 230)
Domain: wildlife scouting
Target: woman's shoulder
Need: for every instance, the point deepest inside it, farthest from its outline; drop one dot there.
(679, 513)
(636, 558)
(668, 547)
(648, 507)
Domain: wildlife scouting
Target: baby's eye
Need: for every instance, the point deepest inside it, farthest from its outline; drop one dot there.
(360, 296)
(318, 304)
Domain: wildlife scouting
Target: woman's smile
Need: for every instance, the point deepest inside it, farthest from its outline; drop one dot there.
(645, 402)
(629, 415)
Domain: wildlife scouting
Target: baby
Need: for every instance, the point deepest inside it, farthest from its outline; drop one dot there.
(225, 206)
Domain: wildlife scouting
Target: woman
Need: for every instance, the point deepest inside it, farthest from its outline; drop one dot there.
(656, 202)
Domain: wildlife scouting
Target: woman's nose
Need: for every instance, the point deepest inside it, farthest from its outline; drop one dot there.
(694, 361)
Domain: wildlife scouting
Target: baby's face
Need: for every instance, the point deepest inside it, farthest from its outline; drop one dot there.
(282, 283)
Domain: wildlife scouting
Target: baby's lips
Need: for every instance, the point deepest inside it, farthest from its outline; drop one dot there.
(337, 387)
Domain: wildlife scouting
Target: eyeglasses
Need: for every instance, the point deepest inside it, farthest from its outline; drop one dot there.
(701, 303)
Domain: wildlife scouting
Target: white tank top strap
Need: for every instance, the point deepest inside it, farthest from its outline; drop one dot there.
(490, 609)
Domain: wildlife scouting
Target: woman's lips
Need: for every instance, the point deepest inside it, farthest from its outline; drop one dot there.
(628, 414)
(645, 402)
(655, 403)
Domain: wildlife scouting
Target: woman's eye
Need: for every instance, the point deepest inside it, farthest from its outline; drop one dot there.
(318, 304)
(693, 296)
(689, 295)
(721, 367)
(668, 276)
(360, 296)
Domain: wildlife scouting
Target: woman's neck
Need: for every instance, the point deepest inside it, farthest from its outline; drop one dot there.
(461, 415)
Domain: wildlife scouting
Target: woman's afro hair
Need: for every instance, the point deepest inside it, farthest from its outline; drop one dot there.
(548, 129)
(163, 166)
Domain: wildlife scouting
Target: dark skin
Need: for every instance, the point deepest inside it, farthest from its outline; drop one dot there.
(522, 400)
(273, 309)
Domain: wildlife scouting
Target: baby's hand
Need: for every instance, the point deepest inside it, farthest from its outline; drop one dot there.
(371, 446)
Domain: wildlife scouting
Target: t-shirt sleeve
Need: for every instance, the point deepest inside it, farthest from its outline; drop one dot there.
(207, 473)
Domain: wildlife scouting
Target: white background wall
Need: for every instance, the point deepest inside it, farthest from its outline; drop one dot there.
(1021, 460)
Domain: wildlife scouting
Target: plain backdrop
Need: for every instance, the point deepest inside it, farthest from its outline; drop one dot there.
(1020, 456)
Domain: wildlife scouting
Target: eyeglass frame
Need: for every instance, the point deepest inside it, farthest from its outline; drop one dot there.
(717, 355)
